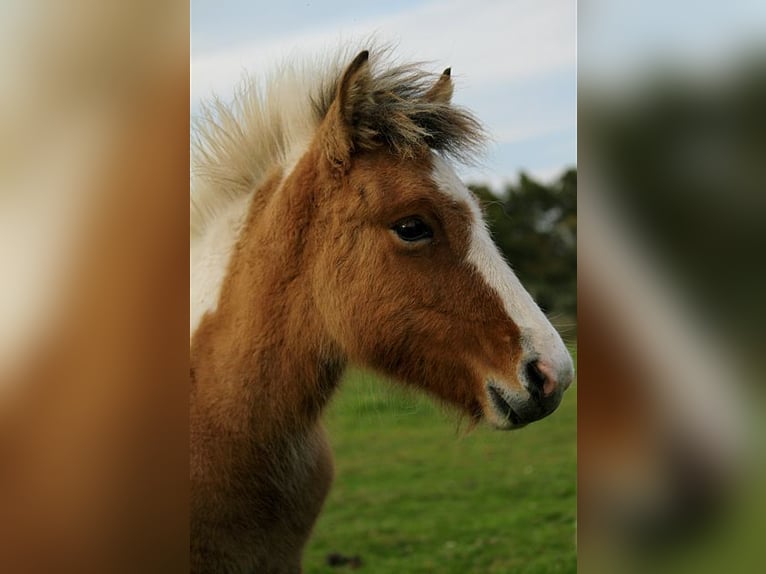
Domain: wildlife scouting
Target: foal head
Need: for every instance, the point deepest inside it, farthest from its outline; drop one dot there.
(406, 278)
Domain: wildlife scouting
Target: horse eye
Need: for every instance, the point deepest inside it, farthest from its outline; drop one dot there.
(412, 229)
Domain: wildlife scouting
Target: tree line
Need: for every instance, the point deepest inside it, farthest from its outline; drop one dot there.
(535, 226)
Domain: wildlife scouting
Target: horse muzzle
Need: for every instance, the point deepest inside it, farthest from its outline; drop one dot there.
(543, 387)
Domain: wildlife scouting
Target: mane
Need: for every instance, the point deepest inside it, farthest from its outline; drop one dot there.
(267, 124)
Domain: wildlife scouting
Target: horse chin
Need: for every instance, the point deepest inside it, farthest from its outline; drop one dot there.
(502, 410)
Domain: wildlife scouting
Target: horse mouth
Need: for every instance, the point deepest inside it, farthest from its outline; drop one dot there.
(503, 407)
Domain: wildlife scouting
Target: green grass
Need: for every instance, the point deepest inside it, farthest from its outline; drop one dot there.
(414, 494)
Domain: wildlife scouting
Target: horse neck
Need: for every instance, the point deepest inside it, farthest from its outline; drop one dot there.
(262, 364)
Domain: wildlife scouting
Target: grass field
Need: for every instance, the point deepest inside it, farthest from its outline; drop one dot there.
(413, 494)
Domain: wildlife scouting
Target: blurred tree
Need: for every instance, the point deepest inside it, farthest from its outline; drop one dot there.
(682, 160)
(535, 227)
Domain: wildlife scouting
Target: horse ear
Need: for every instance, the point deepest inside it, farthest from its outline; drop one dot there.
(352, 91)
(441, 91)
(354, 85)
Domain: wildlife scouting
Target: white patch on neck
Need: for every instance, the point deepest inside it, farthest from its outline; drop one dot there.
(541, 339)
(211, 250)
(209, 258)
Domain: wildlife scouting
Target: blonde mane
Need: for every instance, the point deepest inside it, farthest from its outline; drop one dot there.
(267, 124)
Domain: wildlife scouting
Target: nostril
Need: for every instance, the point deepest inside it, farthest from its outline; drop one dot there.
(535, 380)
(539, 380)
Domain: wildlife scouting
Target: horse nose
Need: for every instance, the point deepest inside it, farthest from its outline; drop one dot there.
(543, 379)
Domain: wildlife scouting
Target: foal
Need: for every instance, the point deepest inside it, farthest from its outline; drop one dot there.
(345, 236)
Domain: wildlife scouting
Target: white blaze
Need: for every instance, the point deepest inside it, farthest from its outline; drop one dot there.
(542, 341)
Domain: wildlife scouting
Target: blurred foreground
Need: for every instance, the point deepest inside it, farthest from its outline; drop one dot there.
(671, 272)
(93, 295)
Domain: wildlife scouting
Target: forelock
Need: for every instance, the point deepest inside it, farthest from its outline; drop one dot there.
(395, 113)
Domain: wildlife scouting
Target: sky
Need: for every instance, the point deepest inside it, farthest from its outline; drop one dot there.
(513, 62)
(624, 40)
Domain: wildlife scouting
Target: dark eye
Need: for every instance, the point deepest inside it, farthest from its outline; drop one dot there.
(412, 229)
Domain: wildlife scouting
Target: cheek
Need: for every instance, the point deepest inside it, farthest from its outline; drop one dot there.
(384, 306)
(350, 284)
(440, 314)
